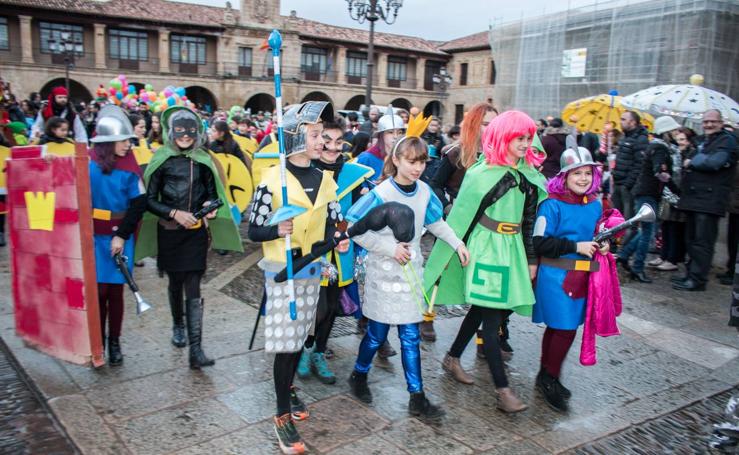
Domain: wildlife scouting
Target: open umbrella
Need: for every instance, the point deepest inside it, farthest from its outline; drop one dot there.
(688, 101)
(592, 113)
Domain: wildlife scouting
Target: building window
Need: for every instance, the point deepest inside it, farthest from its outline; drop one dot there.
(493, 72)
(187, 49)
(4, 42)
(396, 68)
(356, 64)
(458, 113)
(463, 74)
(314, 60)
(432, 68)
(128, 45)
(245, 61)
(51, 31)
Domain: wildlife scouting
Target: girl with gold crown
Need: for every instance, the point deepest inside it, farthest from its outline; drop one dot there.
(393, 294)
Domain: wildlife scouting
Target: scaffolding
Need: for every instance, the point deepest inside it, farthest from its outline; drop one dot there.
(627, 47)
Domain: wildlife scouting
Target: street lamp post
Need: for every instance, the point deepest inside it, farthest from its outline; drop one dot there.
(67, 47)
(442, 80)
(370, 10)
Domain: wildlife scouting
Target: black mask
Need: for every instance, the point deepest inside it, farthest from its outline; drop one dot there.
(185, 127)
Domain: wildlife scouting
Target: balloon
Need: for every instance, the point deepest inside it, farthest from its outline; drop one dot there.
(119, 95)
(116, 84)
(112, 90)
(149, 87)
(180, 91)
(167, 92)
(132, 89)
(122, 77)
(152, 95)
(171, 101)
(144, 97)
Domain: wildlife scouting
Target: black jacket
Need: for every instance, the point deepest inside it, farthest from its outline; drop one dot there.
(707, 182)
(182, 184)
(554, 143)
(629, 157)
(657, 159)
(229, 147)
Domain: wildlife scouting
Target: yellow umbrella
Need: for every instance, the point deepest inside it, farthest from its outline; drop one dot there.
(592, 113)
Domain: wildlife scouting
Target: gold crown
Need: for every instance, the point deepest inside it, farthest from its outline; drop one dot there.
(40, 210)
(417, 125)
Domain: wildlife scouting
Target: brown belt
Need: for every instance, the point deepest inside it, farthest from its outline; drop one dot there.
(501, 227)
(172, 225)
(571, 264)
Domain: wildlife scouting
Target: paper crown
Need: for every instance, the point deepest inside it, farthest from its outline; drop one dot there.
(417, 125)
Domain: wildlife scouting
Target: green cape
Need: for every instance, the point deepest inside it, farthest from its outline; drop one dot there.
(223, 230)
(478, 181)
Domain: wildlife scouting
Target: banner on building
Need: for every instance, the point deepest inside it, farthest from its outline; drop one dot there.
(574, 62)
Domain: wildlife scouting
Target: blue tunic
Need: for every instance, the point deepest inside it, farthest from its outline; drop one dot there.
(112, 192)
(575, 222)
(368, 159)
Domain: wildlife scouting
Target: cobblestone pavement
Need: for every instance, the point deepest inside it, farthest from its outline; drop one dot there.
(26, 426)
(656, 380)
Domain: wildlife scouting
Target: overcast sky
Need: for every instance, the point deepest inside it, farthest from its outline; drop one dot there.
(431, 19)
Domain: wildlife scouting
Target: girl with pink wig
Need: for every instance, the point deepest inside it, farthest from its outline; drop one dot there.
(494, 213)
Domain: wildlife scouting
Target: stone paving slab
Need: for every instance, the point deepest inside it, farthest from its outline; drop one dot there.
(155, 404)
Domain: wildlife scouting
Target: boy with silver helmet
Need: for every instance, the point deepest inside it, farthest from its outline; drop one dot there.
(180, 179)
(390, 128)
(315, 192)
(118, 202)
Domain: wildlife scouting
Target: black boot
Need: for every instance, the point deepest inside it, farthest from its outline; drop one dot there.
(179, 339)
(194, 334)
(115, 356)
(565, 391)
(553, 394)
(360, 389)
(641, 277)
(420, 406)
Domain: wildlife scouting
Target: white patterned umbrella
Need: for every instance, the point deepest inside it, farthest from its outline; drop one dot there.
(689, 101)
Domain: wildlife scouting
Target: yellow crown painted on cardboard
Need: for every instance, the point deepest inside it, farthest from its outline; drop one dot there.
(40, 210)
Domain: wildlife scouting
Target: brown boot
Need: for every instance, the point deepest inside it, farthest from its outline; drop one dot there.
(509, 402)
(452, 366)
(427, 331)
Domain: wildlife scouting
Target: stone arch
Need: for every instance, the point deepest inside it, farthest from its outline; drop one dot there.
(317, 96)
(78, 92)
(402, 103)
(202, 97)
(260, 102)
(434, 108)
(354, 103)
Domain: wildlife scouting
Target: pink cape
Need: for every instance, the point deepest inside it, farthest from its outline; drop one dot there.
(604, 304)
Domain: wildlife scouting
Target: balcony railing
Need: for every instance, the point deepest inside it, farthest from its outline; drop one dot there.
(408, 83)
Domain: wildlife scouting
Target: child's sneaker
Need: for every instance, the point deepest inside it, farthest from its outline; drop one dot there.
(303, 370)
(298, 409)
(288, 436)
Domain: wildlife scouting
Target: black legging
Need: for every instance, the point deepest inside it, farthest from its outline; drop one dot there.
(189, 280)
(491, 319)
(328, 306)
(284, 372)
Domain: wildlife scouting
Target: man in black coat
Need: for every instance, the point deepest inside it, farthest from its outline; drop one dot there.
(628, 162)
(705, 191)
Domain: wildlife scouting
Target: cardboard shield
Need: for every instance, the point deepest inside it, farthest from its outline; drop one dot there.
(239, 188)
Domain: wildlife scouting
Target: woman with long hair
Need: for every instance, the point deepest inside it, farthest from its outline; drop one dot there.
(222, 141)
(456, 158)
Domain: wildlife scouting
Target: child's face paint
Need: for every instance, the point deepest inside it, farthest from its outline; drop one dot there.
(333, 142)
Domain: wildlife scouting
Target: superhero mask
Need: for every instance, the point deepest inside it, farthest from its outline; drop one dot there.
(185, 127)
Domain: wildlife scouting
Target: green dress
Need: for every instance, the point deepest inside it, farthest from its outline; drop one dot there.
(497, 275)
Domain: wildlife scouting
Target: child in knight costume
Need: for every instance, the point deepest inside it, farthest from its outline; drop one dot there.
(563, 239)
(118, 202)
(393, 294)
(494, 214)
(340, 285)
(310, 189)
(181, 178)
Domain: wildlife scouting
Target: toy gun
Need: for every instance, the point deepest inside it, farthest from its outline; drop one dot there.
(645, 214)
(122, 262)
(200, 214)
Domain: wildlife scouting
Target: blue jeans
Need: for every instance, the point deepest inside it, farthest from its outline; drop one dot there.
(639, 243)
(410, 352)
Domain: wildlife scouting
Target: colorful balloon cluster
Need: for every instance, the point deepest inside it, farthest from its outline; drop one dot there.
(121, 93)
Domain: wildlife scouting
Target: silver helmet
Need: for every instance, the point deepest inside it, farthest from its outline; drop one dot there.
(572, 158)
(389, 121)
(295, 119)
(112, 125)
